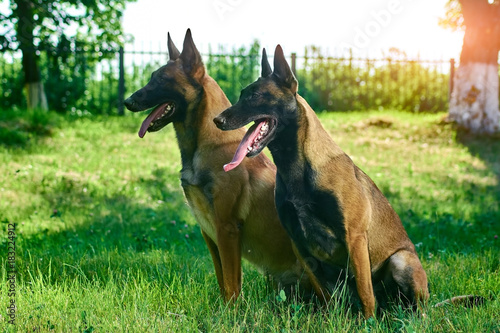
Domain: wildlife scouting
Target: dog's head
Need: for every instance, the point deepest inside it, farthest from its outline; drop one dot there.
(171, 88)
(270, 102)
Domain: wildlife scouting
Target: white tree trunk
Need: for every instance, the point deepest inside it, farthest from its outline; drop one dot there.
(35, 96)
(474, 101)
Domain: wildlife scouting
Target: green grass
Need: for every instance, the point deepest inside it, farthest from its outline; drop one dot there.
(106, 243)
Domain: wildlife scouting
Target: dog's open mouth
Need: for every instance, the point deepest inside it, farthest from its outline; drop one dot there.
(156, 119)
(256, 139)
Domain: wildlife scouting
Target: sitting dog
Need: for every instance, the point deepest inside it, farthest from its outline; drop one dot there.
(236, 211)
(334, 213)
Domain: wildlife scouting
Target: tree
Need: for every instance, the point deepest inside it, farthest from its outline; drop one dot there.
(34, 25)
(474, 100)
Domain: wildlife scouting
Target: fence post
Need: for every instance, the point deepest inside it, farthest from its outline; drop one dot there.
(452, 77)
(121, 83)
(294, 59)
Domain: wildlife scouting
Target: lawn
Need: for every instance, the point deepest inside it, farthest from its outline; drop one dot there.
(106, 243)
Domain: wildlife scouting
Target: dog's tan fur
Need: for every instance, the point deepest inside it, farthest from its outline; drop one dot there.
(240, 220)
(373, 230)
(235, 211)
(332, 210)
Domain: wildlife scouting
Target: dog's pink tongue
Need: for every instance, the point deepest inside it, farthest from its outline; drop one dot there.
(242, 149)
(155, 113)
(238, 157)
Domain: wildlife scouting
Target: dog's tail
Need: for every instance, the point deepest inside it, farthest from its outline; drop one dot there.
(467, 301)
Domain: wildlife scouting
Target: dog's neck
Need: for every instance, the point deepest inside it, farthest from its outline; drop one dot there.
(285, 146)
(197, 129)
(302, 143)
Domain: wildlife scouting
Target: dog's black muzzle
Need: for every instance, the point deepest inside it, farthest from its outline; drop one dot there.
(132, 105)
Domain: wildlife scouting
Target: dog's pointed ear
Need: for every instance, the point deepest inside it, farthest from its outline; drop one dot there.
(266, 68)
(283, 72)
(173, 52)
(191, 58)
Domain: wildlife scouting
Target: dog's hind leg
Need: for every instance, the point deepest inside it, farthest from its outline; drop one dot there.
(409, 275)
(214, 252)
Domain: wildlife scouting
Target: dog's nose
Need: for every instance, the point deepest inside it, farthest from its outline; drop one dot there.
(219, 121)
(129, 103)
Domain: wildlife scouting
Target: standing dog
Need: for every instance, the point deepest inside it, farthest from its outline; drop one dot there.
(334, 213)
(235, 211)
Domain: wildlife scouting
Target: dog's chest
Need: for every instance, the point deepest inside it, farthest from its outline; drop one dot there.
(197, 189)
(313, 220)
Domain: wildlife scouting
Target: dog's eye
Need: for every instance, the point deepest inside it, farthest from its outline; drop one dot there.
(255, 95)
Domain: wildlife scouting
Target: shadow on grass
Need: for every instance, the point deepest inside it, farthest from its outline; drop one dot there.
(486, 148)
(23, 128)
(433, 230)
(113, 235)
(469, 222)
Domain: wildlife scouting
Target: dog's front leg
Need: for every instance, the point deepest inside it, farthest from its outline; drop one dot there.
(229, 243)
(320, 291)
(214, 252)
(360, 264)
(228, 229)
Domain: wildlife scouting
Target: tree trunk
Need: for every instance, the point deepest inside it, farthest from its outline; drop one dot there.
(474, 100)
(33, 86)
(35, 96)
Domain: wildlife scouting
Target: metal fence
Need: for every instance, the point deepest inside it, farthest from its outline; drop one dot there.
(98, 81)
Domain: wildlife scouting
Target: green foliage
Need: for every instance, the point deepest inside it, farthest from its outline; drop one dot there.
(234, 71)
(62, 30)
(80, 81)
(106, 243)
(11, 82)
(65, 76)
(75, 82)
(95, 24)
(394, 82)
